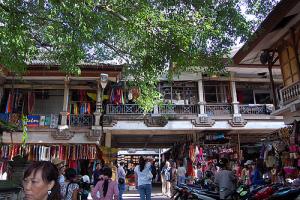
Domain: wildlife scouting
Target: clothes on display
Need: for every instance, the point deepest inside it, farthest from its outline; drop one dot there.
(82, 102)
(14, 102)
(38, 152)
(31, 101)
(80, 108)
(116, 96)
(33, 120)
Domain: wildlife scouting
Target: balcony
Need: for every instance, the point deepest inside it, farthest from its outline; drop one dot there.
(256, 109)
(127, 110)
(166, 109)
(210, 109)
(132, 109)
(218, 109)
(290, 93)
(81, 120)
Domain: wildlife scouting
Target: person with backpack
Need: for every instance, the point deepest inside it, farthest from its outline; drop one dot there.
(121, 180)
(106, 188)
(70, 188)
(85, 185)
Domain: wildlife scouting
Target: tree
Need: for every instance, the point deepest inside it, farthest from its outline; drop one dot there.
(151, 37)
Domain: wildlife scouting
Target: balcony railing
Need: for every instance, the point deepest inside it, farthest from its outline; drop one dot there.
(290, 93)
(81, 120)
(132, 109)
(218, 109)
(256, 109)
(178, 109)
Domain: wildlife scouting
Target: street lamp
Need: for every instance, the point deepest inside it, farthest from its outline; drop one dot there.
(103, 80)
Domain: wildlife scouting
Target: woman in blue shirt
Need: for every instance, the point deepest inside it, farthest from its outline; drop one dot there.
(143, 179)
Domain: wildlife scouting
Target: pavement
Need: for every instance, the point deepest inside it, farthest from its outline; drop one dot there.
(134, 195)
(155, 195)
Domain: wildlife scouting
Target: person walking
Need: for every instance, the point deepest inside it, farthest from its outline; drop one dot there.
(173, 180)
(70, 188)
(181, 172)
(225, 180)
(121, 180)
(166, 173)
(106, 188)
(97, 173)
(143, 179)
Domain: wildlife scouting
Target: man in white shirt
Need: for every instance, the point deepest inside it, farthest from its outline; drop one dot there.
(121, 180)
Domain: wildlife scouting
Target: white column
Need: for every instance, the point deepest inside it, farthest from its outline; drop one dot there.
(64, 113)
(235, 102)
(201, 96)
(108, 139)
(99, 108)
(237, 119)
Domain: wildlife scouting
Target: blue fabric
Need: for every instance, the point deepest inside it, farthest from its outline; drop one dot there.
(145, 176)
(145, 191)
(121, 188)
(96, 175)
(4, 117)
(181, 180)
(257, 178)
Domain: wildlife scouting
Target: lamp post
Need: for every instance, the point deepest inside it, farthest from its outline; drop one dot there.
(103, 83)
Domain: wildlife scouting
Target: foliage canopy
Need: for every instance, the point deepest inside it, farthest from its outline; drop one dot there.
(151, 37)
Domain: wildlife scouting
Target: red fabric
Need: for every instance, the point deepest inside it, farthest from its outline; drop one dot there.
(190, 170)
(31, 101)
(73, 164)
(192, 153)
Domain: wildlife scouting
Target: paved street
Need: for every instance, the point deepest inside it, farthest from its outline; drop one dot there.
(156, 194)
(133, 194)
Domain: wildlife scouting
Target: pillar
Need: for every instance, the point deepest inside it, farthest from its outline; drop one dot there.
(201, 96)
(99, 108)
(64, 113)
(235, 102)
(108, 139)
(203, 119)
(237, 119)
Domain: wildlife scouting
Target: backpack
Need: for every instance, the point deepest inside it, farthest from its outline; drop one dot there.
(67, 190)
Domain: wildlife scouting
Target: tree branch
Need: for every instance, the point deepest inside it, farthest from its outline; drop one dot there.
(111, 11)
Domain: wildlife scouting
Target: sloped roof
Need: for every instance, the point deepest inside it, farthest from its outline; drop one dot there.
(284, 16)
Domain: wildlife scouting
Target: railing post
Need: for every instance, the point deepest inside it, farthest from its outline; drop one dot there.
(155, 111)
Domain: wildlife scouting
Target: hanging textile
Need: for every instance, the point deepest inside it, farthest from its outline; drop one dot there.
(93, 96)
(36, 152)
(42, 120)
(9, 103)
(31, 101)
(54, 121)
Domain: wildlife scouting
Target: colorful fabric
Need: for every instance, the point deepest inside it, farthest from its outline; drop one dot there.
(31, 101)
(9, 104)
(38, 152)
